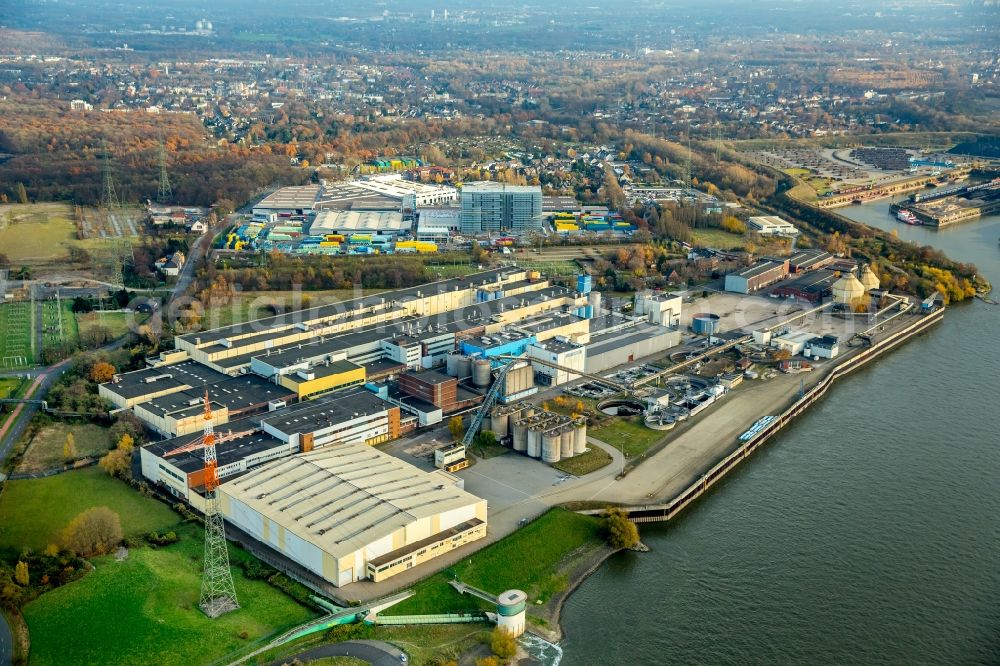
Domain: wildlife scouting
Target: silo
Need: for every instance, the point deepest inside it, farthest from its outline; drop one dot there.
(527, 410)
(594, 300)
(481, 372)
(534, 441)
(580, 437)
(500, 423)
(550, 446)
(520, 436)
(566, 441)
(463, 366)
(451, 364)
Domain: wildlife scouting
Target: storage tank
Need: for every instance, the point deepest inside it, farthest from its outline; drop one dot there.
(520, 436)
(481, 372)
(511, 608)
(567, 438)
(579, 437)
(527, 410)
(551, 452)
(848, 290)
(705, 323)
(463, 366)
(868, 278)
(500, 423)
(534, 449)
(594, 300)
(451, 364)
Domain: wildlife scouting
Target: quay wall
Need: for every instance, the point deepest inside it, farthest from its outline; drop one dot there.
(669, 510)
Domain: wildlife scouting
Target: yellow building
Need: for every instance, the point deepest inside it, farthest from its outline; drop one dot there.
(324, 378)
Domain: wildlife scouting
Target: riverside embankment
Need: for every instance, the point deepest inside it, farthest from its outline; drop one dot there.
(665, 511)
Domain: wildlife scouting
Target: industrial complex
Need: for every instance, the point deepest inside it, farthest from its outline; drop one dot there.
(297, 402)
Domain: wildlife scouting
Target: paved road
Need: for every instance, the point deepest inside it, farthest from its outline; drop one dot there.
(201, 246)
(377, 653)
(6, 643)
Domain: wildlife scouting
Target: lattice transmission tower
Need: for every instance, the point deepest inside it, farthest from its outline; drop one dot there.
(109, 195)
(218, 595)
(164, 193)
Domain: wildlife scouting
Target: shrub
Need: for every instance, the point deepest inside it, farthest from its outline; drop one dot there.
(618, 529)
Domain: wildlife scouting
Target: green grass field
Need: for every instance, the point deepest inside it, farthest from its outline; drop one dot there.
(716, 238)
(144, 610)
(628, 434)
(594, 459)
(58, 323)
(15, 335)
(33, 512)
(36, 232)
(46, 449)
(116, 322)
(536, 549)
(11, 387)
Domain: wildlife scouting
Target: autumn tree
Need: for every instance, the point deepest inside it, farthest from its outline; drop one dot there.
(21, 573)
(117, 462)
(21, 193)
(69, 448)
(456, 428)
(487, 661)
(94, 532)
(619, 531)
(102, 372)
(502, 643)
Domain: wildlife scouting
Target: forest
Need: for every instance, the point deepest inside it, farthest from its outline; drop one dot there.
(58, 154)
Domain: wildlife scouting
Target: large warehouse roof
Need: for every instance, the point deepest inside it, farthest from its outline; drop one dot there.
(345, 497)
(346, 222)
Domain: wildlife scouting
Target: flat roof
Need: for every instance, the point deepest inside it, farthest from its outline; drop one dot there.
(288, 319)
(452, 321)
(759, 268)
(546, 321)
(227, 452)
(344, 221)
(605, 342)
(556, 346)
(324, 370)
(812, 280)
(345, 406)
(129, 385)
(342, 498)
(237, 393)
(490, 186)
(432, 377)
(295, 196)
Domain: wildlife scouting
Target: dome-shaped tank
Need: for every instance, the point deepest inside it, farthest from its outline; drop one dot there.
(868, 278)
(848, 290)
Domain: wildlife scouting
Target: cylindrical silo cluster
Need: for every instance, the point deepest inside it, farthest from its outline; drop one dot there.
(566, 441)
(500, 422)
(534, 441)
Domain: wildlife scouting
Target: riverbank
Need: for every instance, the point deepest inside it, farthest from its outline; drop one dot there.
(675, 505)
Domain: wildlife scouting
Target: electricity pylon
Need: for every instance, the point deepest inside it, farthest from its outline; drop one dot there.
(218, 595)
(164, 193)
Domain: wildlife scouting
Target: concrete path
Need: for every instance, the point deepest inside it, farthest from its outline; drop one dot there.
(377, 653)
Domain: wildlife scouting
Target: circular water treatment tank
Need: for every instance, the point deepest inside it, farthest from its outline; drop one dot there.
(705, 323)
(621, 407)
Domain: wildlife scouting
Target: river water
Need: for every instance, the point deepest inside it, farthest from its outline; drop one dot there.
(867, 532)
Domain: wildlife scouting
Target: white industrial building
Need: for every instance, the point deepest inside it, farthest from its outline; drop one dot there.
(561, 352)
(771, 225)
(381, 222)
(350, 512)
(659, 308)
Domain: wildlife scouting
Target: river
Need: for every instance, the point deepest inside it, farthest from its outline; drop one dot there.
(867, 532)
